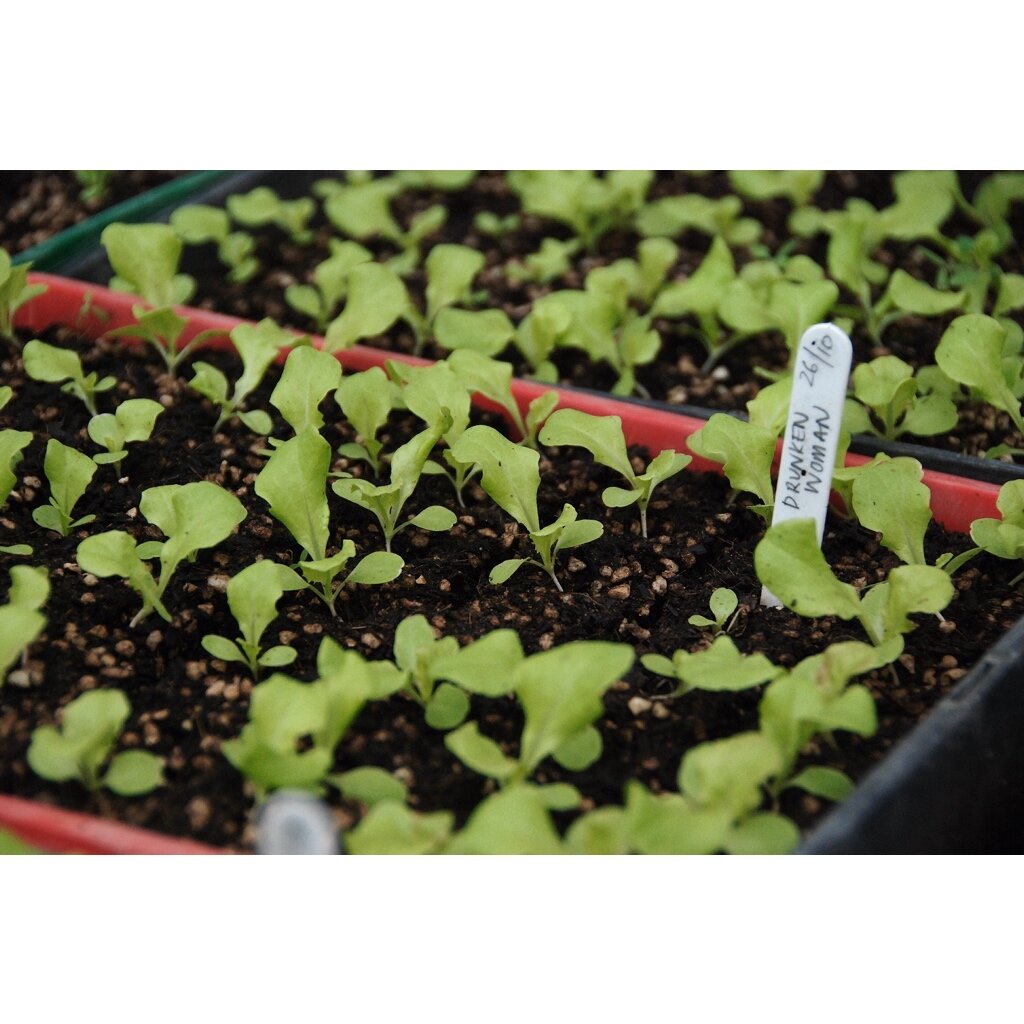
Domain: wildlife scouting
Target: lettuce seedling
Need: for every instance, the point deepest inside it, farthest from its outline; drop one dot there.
(199, 224)
(723, 604)
(561, 693)
(450, 273)
(790, 564)
(53, 365)
(145, 259)
(69, 473)
(432, 393)
(253, 594)
(163, 329)
(905, 295)
(442, 181)
(603, 324)
(816, 698)
(390, 828)
(516, 820)
(971, 352)
(493, 380)
(361, 209)
(552, 260)
(416, 653)
(1004, 537)
(745, 451)
(132, 421)
(367, 399)
(892, 401)
(308, 375)
(12, 444)
(264, 206)
(294, 484)
(602, 436)
(721, 667)
(888, 496)
(796, 186)
(386, 501)
(375, 298)
(321, 299)
(21, 620)
(15, 291)
(192, 517)
(258, 345)
(94, 185)
(510, 475)
(541, 331)
(81, 748)
(488, 223)
(591, 205)
(671, 216)
(273, 749)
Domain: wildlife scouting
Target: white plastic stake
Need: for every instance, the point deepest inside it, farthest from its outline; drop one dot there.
(821, 373)
(297, 823)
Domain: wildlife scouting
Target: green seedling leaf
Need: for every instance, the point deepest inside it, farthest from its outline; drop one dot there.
(450, 272)
(970, 352)
(15, 291)
(561, 693)
(887, 387)
(132, 421)
(729, 774)
(723, 603)
(145, 259)
(486, 666)
(163, 329)
(744, 450)
(602, 436)
(320, 301)
(580, 751)
(391, 828)
(515, 820)
(253, 595)
(510, 475)
(797, 186)
(308, 376)
(362, 210)
(370, 786)
(671, 216)
(671, 824)
(69, 474)
(387, 501)
(719, 668)
(909, 589)
(21, 621)
(12, 444)
(447, 708)
(828, 783)
(889, 498)
(790, 564)
(376, 299)
(294, 484)
(763, 834)
(367, 399)
(263, 206)
(199, 223)
(115, 553)
(488, 331)
(1004, 537)
(82, 746)
(54, 365)
(551, 261)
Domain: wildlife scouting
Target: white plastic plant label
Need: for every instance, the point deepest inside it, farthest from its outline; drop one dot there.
(821, 374)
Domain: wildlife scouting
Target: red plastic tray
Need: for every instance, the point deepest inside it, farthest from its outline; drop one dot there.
(956, 502)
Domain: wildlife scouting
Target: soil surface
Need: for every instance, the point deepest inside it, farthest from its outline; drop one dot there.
(675, 376)
(621, 587)
(36, 205)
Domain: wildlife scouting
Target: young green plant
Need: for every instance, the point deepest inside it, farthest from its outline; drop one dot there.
(69, 473)
(52, 365)
(21, 620)
(602, 436)
(192, 516)
(81, 748)
(294, 484)
(511, 476)
(253, 595)
(131, 422)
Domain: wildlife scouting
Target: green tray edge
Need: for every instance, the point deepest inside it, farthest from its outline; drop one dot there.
(52, 254)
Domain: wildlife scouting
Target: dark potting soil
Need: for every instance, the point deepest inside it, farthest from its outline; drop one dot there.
(621, 587)
(36, 205)
(675, 376)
